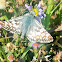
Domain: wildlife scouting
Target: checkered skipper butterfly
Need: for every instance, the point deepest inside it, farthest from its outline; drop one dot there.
(29, 25)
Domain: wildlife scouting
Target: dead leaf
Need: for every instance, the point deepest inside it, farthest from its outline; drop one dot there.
(59, 28)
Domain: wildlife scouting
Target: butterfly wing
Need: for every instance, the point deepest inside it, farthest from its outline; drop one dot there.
(13, 25)
(37, 33)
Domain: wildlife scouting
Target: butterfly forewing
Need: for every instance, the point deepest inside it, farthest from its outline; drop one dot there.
(13, 25)
(37, 33)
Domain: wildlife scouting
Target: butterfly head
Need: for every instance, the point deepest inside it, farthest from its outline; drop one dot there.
(32, 13)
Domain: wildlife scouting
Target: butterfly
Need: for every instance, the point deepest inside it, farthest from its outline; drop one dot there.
(28, 25)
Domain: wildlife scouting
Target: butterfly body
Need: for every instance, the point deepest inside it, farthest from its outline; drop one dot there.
(28, 25)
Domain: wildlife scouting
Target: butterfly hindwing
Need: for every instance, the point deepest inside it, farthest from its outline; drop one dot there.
(37, 33)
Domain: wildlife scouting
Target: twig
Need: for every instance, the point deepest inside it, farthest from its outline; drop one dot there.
(8, 37)
(56, 43)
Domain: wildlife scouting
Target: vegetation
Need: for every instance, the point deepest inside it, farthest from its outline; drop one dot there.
(12, 49)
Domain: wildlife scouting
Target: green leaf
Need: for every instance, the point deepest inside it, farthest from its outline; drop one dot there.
(50, 6)
(27, 49)
(2, 40)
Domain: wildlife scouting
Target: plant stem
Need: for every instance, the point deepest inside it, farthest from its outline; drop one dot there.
(55, 8)
(27, 49)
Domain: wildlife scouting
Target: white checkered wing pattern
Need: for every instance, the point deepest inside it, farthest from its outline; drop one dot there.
(13, 25)
(37, 33)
